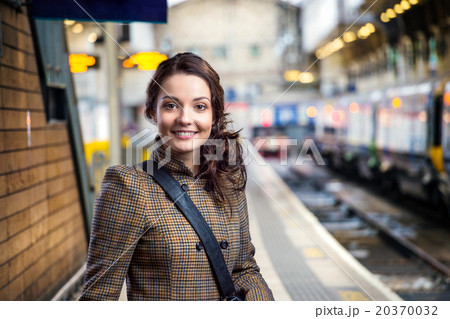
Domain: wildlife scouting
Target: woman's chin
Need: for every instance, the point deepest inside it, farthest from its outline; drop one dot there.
(185, 147)
(182, 151)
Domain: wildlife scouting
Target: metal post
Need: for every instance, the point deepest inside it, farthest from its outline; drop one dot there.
(113, 94)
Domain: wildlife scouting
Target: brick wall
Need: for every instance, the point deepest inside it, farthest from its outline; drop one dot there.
(42, 236)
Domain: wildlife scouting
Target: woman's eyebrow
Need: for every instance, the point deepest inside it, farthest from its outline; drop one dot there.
(171, 97)
(201, 98)
(178, 100)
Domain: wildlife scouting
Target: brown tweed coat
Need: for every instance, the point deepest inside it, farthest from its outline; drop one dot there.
(138, 233)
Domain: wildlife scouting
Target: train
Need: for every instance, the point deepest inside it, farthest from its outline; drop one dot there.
(397, 138)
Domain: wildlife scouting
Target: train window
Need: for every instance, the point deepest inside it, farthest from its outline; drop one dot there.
(446, 123)
(419, 120)
(446, 133)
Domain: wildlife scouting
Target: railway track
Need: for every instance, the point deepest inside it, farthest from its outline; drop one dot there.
(409, 252)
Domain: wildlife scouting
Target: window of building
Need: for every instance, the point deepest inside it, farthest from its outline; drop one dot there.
(254, 50)
(220, 52)
(57, 103)
(194, 50)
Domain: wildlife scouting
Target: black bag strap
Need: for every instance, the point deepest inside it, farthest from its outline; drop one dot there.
(201, 227)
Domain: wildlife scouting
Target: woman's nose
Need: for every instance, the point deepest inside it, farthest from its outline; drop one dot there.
(184, 116)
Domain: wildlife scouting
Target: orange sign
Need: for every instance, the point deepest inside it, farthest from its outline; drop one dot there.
(145, 60)
(79, 63)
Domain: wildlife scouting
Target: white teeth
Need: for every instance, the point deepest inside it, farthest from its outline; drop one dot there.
(185, 133)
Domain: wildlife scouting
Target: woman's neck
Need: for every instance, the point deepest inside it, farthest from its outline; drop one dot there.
(188, 160)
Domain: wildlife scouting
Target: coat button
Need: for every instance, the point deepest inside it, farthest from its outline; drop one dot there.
(185, 187)
(223, 244)
(198, 246)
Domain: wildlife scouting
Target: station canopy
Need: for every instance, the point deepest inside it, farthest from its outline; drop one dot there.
(154, 11)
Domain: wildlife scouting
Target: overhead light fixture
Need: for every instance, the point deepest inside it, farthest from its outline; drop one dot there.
(319, 53)
(370, 27)
(77, 28)
(92, 37)
(291, 75)
(69, 22)
(391, 13)
(349, 36)
(384, 17)
(398, 9)
(306, 77)
(297, 75)
(405, 5)
(363, 33)
(338, 44)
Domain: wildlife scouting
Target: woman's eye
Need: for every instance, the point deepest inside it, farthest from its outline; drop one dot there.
(201, 107)
(170, 106)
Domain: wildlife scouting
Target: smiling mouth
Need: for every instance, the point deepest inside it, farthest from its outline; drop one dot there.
(184, 133)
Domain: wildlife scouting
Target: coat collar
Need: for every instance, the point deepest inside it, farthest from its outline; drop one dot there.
(170, 161)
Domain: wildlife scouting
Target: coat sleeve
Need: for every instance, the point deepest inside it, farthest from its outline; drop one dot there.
(246, 275)
(117, 225)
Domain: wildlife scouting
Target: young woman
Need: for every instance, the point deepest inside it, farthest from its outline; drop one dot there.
(139, 233)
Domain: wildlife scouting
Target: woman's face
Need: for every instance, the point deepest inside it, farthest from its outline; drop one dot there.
(184, 113)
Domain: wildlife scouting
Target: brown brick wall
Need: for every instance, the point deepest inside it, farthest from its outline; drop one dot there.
(42, 236)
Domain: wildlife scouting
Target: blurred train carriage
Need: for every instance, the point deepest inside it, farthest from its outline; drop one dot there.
(345, 134)
(330, 129)
(398, 137)
(402, 140)
(280, 126)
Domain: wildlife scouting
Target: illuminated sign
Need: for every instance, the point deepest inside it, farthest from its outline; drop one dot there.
(286, 115)
(79, 63)
(146, 61)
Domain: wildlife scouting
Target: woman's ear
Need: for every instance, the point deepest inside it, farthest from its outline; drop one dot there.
(153, 115)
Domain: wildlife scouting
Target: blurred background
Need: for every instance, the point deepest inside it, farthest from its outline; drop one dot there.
(367, 81)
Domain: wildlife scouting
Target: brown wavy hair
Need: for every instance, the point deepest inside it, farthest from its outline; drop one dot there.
(230, 168)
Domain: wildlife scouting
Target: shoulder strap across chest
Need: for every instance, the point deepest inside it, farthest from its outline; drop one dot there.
(198, 223)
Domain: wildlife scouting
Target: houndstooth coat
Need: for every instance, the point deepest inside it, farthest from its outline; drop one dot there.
(139, 234)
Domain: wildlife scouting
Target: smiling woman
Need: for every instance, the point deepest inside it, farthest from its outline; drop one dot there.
(139, 233)
(184, 114)
(189, 84)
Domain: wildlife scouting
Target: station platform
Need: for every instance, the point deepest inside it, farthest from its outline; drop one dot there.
(298, 257)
